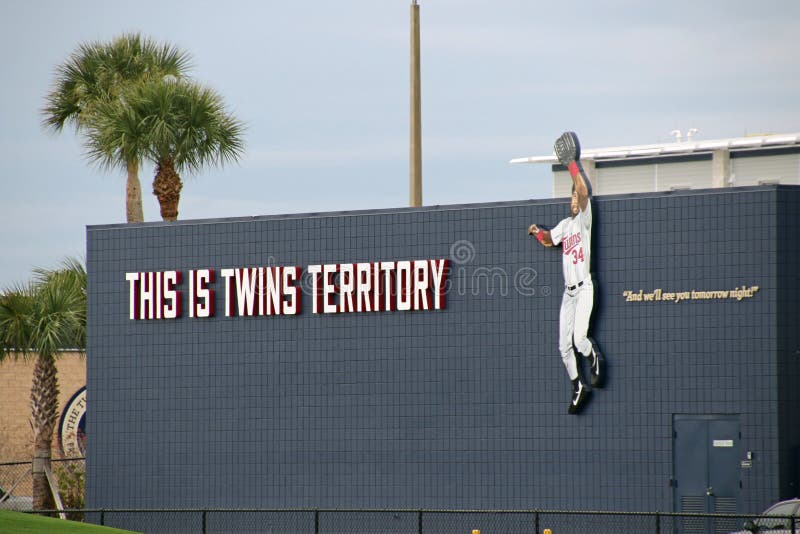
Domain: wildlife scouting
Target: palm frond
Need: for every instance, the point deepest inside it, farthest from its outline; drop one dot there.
(100, 72)
(60, 319)
(16, 307)
(46, 315)
(115, 136)
(190, 126)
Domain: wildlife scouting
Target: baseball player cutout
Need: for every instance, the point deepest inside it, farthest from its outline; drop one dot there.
(575, 236)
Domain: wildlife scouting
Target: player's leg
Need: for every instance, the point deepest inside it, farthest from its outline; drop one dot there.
(586, 345)
(566, 331)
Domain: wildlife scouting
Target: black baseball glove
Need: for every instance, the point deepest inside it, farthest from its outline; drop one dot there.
(568, 148)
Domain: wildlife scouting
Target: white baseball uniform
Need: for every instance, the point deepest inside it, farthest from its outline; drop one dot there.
(575, 236)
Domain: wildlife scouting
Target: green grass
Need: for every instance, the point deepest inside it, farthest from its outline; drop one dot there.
(19, 523)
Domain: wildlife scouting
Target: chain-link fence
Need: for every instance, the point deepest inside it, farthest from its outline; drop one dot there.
(16, 494)
(16, 484)
(308, 521)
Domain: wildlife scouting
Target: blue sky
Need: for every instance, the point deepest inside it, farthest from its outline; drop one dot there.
(323, 88)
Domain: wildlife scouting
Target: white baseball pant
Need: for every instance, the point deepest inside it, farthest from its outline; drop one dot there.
(576, 309)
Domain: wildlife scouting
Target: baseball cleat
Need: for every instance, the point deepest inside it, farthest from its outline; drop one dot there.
(579, 398)
(597, 366)
(568, 148)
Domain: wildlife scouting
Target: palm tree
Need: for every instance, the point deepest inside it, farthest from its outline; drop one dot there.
(99, 73)
(42, 319)
(182, 126)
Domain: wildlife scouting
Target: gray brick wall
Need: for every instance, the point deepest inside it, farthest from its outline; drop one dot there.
(459, 408)
(788, 320)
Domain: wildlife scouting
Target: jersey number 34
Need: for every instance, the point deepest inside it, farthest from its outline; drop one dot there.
(577, 255)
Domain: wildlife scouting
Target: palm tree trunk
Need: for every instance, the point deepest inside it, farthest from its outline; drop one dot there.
(133, 194)
(44, 413)
(167, 188)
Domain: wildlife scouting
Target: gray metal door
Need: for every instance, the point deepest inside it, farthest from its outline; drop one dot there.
(706, 469)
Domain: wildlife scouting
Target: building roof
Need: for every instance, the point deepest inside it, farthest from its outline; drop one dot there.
(750, 142)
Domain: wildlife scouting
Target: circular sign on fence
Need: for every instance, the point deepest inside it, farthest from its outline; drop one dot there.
(72, 427)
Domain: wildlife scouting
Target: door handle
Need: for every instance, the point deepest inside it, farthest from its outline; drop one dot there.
(710, 491)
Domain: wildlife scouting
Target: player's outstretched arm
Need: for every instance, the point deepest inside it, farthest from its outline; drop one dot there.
(581, 185)
(568, 151)
(543, 236)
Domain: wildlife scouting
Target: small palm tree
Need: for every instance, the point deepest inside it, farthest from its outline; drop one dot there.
(98, 73)
(42, 319)
(181, 126)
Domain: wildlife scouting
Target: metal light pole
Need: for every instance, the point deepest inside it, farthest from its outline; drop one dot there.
(415, 149)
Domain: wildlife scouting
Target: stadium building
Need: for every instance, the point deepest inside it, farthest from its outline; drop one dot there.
(408, 358)
(689, 164)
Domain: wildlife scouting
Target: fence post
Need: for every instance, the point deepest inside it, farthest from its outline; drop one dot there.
(658, 523)
(536, 521)
(102, 517)
(204, 521)
(316, 521)
(793, 525)
(419, 522)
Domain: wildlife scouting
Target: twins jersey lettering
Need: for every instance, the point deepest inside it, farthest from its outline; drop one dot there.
(575, 236)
